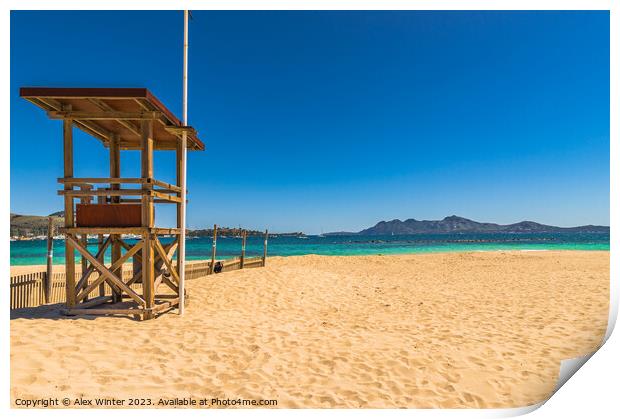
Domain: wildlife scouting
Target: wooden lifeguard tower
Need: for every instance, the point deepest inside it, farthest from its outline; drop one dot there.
(122, 119)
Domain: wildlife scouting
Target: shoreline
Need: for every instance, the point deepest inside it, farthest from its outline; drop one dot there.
(61, 266)
(25, 269)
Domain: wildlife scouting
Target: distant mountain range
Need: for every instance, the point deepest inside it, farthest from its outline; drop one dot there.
(33, 225)
(455, 224)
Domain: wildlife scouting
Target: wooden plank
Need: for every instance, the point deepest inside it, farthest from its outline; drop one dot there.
(165, 197)
(149, 103)
(181, 169)
(230, 262)
(103, 105)
(147, 149)
(83, 237)
(166, 296)
(101, 311)
(155, 201)
(103, 192)
(104, 230)
(164, 257)
(114, 268)
(171, 247)
(115, 172)
(101, 180)
(94, 302)
(15, 289)
(180, 130)
(158, 261)
(148, 279)
(89, 127)
(86, 92)
(27, 290)
(102, 258)
(105, 271)
(174, 287)
(124, 244)
(169, 250)
(258, 263)
(167, 231)
(83, 262)
(69, 222)
(165, 305)
(146, 156)
(148, 262)
(108, 215)
(165, 185)
(146, 100)
(157, 283)
(86, 273)
(166, 191)
(115, 162)
(104, 115)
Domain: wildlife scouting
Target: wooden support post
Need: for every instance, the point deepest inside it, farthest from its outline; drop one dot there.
(148, 271)
(69, 222)
(115, 172)
(180, 220)
(213, 249)
(148, 268)
(50, 255)
(147, 172)
(265, 247)
(84, 237)
(244, 235)
(100, 200)
(83, 261)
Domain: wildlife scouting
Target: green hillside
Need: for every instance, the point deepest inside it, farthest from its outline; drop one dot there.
(34, 225)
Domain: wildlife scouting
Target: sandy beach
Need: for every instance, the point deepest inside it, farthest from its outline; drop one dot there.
(452, 330)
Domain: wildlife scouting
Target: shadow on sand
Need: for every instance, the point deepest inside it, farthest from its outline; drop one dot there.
(53, 312)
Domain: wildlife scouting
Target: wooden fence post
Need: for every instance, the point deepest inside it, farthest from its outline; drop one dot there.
(50, 255)
(213, 249)
(265, 247)
(243, 237)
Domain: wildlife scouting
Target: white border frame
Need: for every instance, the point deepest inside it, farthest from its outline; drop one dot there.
(572, 399)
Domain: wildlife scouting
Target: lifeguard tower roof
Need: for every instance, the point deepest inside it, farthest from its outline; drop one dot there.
(105, 113)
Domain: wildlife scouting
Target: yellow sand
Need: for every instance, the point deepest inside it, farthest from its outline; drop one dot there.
(440, 330)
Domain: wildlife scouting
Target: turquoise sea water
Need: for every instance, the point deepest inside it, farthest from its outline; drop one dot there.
(34, 252)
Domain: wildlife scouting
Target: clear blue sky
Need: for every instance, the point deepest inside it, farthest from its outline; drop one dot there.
(336, 120)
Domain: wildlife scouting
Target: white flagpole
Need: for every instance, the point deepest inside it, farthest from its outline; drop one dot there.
(183, 172)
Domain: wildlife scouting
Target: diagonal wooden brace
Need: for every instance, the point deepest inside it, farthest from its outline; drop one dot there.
(170, 248)
(127, 247)
(162, 254)
(85, 275)
(104, 271)
(112, 268)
